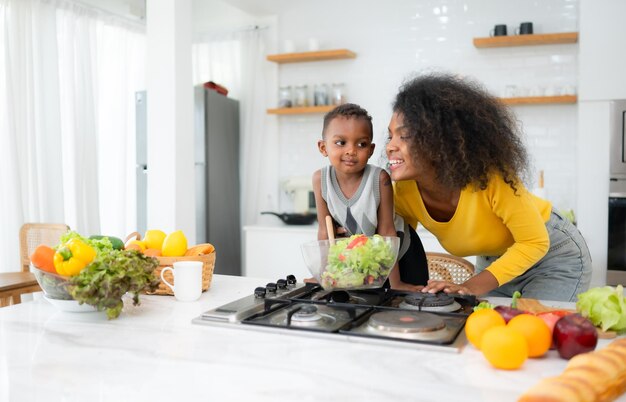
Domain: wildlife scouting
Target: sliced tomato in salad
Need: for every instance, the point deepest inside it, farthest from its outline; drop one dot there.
(357, 242)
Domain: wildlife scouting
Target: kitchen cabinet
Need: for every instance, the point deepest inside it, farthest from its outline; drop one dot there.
(273, 251)
(303, 57)
(527, 40)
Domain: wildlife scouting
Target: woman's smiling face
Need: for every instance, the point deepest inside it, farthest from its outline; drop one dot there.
(401, 160)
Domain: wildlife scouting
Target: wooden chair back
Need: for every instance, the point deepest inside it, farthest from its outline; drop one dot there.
(14, 284)
(449, 268)
(34, 234)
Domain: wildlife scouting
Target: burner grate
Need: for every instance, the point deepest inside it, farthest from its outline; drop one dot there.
(428, 299)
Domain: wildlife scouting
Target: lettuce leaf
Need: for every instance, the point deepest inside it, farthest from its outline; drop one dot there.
(102, 246)
(604, 307)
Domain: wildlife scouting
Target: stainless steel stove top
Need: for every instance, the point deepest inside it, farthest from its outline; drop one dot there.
(375, 316)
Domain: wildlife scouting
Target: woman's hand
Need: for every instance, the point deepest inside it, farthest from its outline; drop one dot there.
(435, 286)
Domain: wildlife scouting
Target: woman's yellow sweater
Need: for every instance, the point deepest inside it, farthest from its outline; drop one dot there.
(490, 222)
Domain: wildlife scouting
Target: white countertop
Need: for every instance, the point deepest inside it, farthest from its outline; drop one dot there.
(153, 353)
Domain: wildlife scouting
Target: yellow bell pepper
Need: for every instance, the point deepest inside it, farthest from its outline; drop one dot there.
(72, 257)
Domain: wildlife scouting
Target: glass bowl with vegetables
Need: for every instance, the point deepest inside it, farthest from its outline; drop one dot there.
(54, 286)
(357, 262)
(92, 273)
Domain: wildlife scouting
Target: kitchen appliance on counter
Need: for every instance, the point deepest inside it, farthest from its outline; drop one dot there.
(376, 316)
(616, 257)
(300, 190)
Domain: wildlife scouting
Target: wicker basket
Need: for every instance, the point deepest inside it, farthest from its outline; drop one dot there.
(208, 263)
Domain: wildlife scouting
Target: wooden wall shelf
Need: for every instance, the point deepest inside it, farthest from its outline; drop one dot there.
(527, 40)
(301, 110)
(337, 54)
(538, 100)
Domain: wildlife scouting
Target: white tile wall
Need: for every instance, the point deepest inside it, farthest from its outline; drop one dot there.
(396, 39)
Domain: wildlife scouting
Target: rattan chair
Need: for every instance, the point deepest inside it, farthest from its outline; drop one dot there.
(14, 284)
(449, 268)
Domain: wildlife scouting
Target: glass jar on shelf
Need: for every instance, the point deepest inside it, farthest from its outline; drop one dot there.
(285, 96)
(338, 95)
(320, 95)
(301, 98)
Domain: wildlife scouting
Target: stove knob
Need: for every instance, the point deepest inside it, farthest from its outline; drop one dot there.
(281, 283)
(259, 293)
(291, 280)
(271, 287)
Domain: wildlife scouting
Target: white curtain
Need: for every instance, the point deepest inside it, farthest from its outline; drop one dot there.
(68, 75)
(237, 61)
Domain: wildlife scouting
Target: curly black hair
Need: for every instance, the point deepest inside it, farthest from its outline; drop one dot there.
(463, 131)
(348, 110)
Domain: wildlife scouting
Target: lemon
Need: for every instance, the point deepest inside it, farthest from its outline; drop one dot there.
(175, 244)
(154, 239)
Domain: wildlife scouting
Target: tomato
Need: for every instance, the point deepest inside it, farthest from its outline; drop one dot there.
(551, 317)
(357, 242)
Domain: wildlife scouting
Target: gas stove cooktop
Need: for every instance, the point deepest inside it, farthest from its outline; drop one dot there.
(379, 316)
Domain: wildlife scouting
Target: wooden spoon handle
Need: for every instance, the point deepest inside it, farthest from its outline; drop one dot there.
(330, 229)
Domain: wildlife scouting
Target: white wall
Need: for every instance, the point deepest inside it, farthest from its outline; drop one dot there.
(602, 67)
(602, 50)
(393, 42)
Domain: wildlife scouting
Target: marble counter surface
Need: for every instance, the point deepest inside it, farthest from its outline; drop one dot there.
(153, 353)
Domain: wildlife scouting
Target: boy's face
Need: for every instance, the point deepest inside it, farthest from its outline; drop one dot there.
(347, 143)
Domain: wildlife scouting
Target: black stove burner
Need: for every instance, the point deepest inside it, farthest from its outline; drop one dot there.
(363, 297)
(340, 296)
(428, 299)
(306, 313)
(405, 321)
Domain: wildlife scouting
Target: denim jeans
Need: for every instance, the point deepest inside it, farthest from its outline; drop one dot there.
(563, 273)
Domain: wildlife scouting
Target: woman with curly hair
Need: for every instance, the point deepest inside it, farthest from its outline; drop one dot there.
(458, 163)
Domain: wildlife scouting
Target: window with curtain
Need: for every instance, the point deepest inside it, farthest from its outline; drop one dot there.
(68, 76)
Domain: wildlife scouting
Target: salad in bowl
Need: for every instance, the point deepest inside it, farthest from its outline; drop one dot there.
(357, 262)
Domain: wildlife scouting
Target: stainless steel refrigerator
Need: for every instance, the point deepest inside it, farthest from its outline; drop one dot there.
(616, 257)
(216, 157)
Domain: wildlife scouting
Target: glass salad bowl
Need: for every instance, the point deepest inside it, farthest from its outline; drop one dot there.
(55, 289)
(357, 262)
(54, 286)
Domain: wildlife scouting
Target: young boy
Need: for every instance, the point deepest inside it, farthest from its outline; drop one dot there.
(359, 196)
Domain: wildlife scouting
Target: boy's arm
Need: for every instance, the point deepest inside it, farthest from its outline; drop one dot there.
(320, 205)
(385, 209)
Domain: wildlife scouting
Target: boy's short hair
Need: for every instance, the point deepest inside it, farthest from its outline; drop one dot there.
(349, 111)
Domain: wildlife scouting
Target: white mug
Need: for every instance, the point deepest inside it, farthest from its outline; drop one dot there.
(187, 280)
